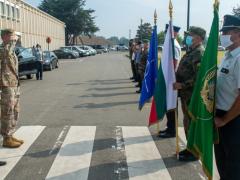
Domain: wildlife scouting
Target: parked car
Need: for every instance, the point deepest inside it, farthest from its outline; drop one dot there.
(66, 54)
(100, 49)
(122, 48)
(81, 52)
(50, 60)
(27, 63)
(91, 51)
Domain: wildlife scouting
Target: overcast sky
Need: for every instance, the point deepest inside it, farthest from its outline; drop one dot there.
(117, 17)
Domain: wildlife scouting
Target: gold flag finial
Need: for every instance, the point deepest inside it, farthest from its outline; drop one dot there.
(155, 17)
(216, 4)
(170, 9)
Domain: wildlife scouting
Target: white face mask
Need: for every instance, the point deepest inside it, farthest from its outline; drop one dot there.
(225, 40)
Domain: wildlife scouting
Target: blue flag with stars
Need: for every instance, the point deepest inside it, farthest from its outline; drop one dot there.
(150, 76)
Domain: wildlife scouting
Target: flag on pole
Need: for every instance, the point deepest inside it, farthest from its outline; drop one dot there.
(150, 76)
(202, 132)
(165, 98)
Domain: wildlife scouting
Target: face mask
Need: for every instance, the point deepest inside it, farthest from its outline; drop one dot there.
(225, 40)
(189, 41)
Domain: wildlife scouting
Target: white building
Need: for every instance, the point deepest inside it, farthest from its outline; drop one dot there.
(32, 25)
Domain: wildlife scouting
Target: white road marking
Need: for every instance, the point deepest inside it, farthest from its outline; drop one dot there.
(29, 134)
(143, 158)
(74, 158)
(182, 136)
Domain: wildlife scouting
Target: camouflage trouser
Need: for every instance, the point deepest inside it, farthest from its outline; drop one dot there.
(186, 118)
(9, 110)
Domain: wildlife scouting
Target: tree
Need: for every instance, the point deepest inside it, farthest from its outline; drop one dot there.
(161, 37)
(124, 41)
(144, 31)
(236, 11)
(79, 21)
(114, 40)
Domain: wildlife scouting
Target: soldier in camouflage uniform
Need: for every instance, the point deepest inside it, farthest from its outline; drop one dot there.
(142, 64)
(186, 76)
(9, 85)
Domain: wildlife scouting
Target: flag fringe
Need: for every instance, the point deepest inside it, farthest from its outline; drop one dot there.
(198, 154)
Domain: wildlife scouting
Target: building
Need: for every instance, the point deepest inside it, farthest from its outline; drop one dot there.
(31, 24)
(93, 40)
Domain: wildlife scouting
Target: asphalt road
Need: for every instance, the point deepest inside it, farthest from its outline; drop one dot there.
(82, 122)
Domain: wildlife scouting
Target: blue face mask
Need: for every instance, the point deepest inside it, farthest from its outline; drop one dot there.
(189, 41)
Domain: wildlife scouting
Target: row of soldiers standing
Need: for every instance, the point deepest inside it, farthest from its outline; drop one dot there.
(227, 118)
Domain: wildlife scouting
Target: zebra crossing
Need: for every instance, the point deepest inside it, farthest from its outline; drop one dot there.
(140, 157)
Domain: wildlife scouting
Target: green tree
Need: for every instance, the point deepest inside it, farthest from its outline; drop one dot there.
(144, 31)
(124, 41)
(161, 37)
(114, 40)
(79, 21)
(236, 11)
(180, 39)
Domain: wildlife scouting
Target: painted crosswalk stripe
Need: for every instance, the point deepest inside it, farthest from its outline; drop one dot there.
(143, 158)
(182, 136)
(73, 160)
(29, 134)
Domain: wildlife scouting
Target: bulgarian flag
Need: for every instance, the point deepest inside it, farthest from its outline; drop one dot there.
(202, 132)
(165, 98)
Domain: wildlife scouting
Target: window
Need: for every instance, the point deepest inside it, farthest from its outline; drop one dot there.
(2, 8)
(13, 12)
(8, 10)
(18, 14)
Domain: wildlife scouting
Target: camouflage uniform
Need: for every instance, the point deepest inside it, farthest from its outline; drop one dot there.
(9, 85)
(186, 74)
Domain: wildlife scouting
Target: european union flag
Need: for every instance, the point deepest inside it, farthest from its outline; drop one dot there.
(150, 76)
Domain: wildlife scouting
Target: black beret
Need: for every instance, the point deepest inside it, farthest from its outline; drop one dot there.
(175, 28)
(230, 22)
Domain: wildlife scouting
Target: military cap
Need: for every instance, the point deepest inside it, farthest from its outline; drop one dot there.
(7, 31)
(197, 31)
(230, 22)
(175, 28)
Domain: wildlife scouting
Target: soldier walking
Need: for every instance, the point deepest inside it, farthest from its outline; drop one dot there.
(10, 92)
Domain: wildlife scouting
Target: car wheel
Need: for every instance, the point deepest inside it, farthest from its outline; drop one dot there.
(29, 76)
(69, 56)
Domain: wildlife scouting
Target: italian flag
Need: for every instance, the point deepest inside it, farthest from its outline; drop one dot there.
(165, 98)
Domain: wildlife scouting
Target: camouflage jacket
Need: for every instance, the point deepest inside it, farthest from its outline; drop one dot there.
(143, 61)
(187, 71)
(9, 67)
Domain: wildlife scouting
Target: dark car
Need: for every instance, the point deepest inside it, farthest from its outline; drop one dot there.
(27, 64)
(65, 54)
(50, 60)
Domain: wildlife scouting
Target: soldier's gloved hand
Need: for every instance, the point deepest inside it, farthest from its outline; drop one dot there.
(177, 86)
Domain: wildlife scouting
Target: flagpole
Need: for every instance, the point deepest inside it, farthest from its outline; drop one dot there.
(155, 24)
(176, 114)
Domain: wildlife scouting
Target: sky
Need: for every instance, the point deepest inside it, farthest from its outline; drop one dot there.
(120, 17)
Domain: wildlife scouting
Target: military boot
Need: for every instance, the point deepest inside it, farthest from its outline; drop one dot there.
(17, 140)
(8, 142)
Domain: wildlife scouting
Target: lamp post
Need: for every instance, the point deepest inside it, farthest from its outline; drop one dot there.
(141, 29)
(188, 15)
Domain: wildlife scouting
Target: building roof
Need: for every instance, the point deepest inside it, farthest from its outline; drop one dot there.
(94, 40)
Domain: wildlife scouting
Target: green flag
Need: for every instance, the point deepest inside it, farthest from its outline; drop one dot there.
(202, 132)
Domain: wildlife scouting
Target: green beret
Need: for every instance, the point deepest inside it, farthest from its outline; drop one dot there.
(197, 31)
(7, 31)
